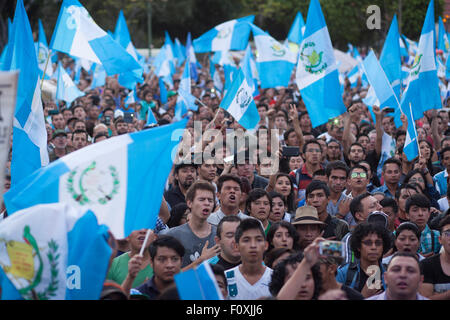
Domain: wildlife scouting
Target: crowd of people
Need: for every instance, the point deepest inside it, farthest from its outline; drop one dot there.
(257, 204)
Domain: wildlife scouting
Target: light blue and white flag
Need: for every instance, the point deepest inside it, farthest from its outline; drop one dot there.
(104, 178)
(29, 151)
(179, 52)
(297, 29)
(317, 74)
(274, 61)
(246, 65)
(191, 54)
(98, 76)
(42, 54)
(150, 117)
(411, 148)
(230, 35)
(198, 284)
(162, 91)
(423, 84)
(379, 82)
(411, 45)
(66, 89)
(53, 252)
(403, 49)
(238, 101)
(390, 58)
(443, 43)
(131, 98)
(77, 34)
(185, 85)
(122, 35)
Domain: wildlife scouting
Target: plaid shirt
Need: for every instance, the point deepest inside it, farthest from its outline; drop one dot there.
(426, 241)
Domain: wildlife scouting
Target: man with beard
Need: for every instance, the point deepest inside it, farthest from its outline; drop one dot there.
(229, 192)
(185, 174)
(121, 126)
(356, 154)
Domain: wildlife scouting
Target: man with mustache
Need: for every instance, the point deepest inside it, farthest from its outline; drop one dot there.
(185, 175)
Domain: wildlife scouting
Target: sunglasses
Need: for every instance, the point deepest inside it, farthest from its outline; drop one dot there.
(359, 174)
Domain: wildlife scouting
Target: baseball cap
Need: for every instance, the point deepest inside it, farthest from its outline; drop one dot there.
(59, 132)
(378, 217)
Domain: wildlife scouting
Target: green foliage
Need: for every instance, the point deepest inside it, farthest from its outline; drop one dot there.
(346, 19)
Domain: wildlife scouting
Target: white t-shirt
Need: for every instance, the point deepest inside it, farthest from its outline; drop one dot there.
(240, 289)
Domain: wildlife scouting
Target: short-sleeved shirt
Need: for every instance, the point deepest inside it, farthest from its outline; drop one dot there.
(429, 241)
(433, 273)
(240, 289)
(149, 289)
(119, 271)
(193, 245)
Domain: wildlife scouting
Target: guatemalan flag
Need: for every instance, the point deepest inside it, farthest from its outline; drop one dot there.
(29, 151)
(66, 89)
(106, 177)
(274, 61)
(411, 148)
(238, 101)
(390, 58)
(42, 54)
(422, 91)
(317, 73)
(297, 29)
(230, 35)
(443, 43)
(379, 82)
(53, 252)
(191, 55)
(77, 34)
(198, 284)
(122, 35)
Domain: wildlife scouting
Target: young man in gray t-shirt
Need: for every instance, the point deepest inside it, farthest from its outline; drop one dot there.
(197, 235)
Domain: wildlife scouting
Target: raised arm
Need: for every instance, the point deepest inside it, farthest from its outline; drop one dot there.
(379, 118)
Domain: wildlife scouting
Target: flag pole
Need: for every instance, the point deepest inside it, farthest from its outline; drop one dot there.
(415, 131)
(45, 69)
(147, 235)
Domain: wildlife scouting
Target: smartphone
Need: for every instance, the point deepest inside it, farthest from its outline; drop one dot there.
(334, 249)
(388, 110)
(128, 117)
(291, 151)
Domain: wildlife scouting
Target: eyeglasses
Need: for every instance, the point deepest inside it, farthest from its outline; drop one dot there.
(313, 150)
(446, 233)
(369, 243)
(359, 174)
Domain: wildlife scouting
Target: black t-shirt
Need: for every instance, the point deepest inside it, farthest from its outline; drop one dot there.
(352, 294)
(362, 280)
(225, 264)
(433, 273)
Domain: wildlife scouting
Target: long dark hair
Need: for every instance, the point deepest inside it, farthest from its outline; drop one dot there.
(290, 199)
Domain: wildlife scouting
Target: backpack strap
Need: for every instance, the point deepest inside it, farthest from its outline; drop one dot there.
(351, 271)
